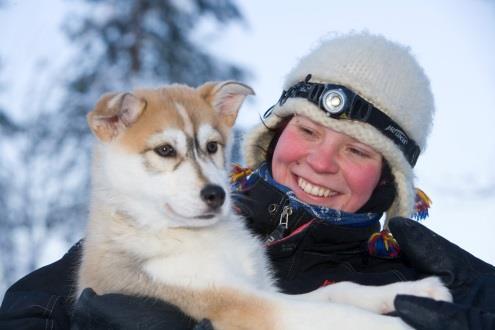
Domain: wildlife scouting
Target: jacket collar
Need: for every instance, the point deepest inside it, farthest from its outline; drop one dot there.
(263, 207)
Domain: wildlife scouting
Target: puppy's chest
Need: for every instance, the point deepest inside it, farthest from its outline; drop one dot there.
(206, 261)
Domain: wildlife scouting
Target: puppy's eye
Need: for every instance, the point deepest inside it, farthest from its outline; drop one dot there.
(165, 150)
(212, 147)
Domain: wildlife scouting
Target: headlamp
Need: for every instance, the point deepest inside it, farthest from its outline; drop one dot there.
(340, 102)
(334, 101)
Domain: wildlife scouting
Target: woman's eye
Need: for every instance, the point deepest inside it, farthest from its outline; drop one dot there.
(212, 147)
(359, 152)
(306, 130)
(165, 150)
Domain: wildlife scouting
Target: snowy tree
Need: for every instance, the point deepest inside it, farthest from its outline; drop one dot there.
(118, 45)
(8, 129)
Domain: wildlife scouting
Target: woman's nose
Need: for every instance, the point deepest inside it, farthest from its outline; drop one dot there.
(323, 159)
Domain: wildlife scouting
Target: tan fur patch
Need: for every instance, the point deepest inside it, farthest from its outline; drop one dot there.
(161, 112)
(244, 311)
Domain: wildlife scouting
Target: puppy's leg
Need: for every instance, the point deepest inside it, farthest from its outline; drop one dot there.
(379, 299)
(233, 309)
(325, 316)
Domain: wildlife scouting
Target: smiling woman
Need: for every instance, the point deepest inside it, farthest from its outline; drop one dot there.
(324, 167)
(333, 154)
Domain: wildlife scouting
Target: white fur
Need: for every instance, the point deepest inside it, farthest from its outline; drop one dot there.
(188, 126)
(204, 258)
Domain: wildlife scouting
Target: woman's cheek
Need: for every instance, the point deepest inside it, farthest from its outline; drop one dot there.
(364, 179)
(290, 147)
(289, 152)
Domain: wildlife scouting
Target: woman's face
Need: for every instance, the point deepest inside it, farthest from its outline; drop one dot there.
(324, 167)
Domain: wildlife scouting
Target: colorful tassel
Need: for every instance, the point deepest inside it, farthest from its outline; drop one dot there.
(238, 177)
(423, 203)
(383, 245)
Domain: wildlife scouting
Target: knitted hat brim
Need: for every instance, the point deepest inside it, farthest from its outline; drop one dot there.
(257, 140)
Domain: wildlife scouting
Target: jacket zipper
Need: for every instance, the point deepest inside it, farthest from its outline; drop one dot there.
(282, 227)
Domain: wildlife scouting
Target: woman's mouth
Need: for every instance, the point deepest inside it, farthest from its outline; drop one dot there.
(314, 190)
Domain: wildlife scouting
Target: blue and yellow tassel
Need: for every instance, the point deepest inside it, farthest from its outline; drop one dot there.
(423, 203)
(383, 244)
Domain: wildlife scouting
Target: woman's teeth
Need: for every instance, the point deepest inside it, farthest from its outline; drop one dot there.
(314, 190)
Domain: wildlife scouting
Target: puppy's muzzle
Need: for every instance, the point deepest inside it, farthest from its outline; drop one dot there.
(213, 196)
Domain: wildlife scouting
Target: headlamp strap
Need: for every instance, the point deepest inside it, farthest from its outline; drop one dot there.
(356, 108)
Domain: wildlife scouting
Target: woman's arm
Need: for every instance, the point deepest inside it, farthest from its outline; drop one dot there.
(42, 299)
(118, 311)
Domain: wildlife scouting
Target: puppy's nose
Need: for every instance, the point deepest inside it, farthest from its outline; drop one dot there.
(213, 196)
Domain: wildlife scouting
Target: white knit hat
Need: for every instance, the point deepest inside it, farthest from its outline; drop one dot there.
(381, 72)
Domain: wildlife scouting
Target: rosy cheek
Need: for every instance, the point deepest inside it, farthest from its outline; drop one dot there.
(289, 147)
(365, 179)
(288, 152)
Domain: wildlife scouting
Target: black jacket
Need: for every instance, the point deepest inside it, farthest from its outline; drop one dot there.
(312, 254)
(42, 299)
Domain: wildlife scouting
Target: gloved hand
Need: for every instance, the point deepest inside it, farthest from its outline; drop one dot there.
(118, 311)
(424, 313)
(471, 281)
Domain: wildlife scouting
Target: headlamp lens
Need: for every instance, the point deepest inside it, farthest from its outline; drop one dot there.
(334, 101)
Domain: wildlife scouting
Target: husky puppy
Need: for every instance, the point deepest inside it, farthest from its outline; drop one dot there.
(161, 222)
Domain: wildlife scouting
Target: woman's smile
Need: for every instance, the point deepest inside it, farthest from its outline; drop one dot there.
(314, 190)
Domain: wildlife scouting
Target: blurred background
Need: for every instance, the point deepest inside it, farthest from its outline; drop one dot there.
(58, 56)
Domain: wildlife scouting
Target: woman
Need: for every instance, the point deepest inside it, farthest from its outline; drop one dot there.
(334, 154)
(337, 151)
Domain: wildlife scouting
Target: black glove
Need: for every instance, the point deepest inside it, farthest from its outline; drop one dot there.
(424, 313)
(118, 311)
(471, 281)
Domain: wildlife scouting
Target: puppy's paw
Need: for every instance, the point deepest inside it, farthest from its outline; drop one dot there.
(430, 287)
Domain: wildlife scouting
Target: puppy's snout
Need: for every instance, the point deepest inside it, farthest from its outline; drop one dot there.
(213, 196)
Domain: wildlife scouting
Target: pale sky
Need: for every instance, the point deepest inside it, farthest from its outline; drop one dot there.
(452, 40)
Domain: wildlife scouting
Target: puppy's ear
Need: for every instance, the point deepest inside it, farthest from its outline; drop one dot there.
(113, 113)
(226, 98)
